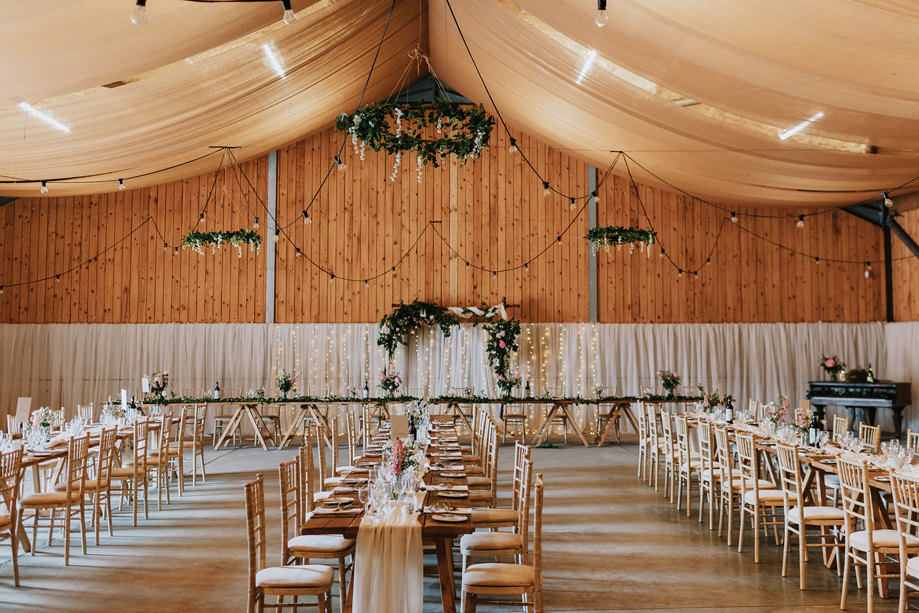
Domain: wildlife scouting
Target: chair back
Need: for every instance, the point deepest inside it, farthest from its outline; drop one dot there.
(490, 469)
(523, 507)
(77, 452)
(856, 498)
(753, 409)
(667, 432)
(57, 419)
(912, 441)
(352, 437)
(166, 426)
(643, 424)
(322, 453)
(141, 446)
(307, 473)
(199, 424)
(521, 455)
(840, 427)
(10, 472)
(789, 474)
(289, 480)
(870, 437)
(255, 527)
(651, 425)
(106, 456)
(748, 462)
(682, 439)
(707, 447)
(905, 490)
(723, 452)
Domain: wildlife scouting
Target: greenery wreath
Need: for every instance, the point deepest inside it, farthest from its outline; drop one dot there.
(395, 327)
(237, 238)
(619, 235)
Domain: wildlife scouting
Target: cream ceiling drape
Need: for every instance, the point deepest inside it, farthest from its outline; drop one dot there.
(197, 76)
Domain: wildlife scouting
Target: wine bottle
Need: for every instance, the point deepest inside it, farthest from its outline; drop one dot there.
(729, 411)
(526, 390)
(217, 391)
(813, 431)
(870, 373)
(366, 390)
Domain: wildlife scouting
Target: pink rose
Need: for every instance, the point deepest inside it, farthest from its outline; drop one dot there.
(830, 363)
(502, 344)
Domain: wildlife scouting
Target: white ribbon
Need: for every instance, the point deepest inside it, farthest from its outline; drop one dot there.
(467, 312)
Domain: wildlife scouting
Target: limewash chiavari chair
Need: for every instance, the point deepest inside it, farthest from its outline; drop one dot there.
(502, 544)
(71, 501)
(483, 489)
(308, 475)
(840, 427)
(133, 477)
(514, 414)
(497, 579)
(762, 504)
(689, 466)
(642, 441)
(800, 517)
(870, 437)
(655, 446)
(327, 477)
(301, 549)
(158, 461)
(197, 414)
(669, 444)
(905, 491)
(296, 580)
(10, 472)
(600, 418)
(912, 441)
(865, 545)
(505, 518)
(710, 477)
(99, 488)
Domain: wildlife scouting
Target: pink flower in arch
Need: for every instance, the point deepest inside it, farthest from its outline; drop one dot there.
(502, 344)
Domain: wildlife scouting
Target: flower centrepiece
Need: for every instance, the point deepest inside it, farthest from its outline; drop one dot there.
(158, 382)
(832, 365)
(42, 418)
(286, 382)
(669, 380)
(390, 382)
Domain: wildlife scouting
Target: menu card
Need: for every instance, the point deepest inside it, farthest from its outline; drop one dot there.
(399, 426)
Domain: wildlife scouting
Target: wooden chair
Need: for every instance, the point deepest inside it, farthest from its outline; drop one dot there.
(689, 467)
(502, 517)
(870, 436)
(222, 420)
(311, 493)
(280, 581)
(483, 489)
(905, 491)
(99, 488)
(710, 475)
(327, 477)
(497, 579)
(655, 446)
(10, 471)
(515, 414)
(134, 476)
(302, 548)
(601, 418)
(729, 482)
(799, 518)
(912, 441)
(762, 504)
(643, 441)
(840, 427)
(668, 442)
(865, 545)
(159, 460)
(71, 501)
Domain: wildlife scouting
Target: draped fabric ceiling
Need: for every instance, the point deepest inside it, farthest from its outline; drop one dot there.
(140, 99)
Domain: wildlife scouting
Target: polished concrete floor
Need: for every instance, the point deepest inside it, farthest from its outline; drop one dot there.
(611, 544)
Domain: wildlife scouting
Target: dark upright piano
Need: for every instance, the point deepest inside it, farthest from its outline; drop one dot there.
(863, 398)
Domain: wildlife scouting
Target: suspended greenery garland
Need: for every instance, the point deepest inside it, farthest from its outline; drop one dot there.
(237, 238)
(395, 327)
(397, 128)
(618, 235)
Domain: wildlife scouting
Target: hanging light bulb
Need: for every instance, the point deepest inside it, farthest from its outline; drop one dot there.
(277, 235)
(331, 278)
(680, 274)
(571, 204)
(201, 219)
(733, 217)
(513, 148)
(139, 15)
(867, 270)
(306, 217)
(558, 240)
(800, 224)
(526, 267)
(297, 252)
(366, 284)
(887, 201)
(816, 260)
(545, 189)
(602, 19)
(175, 251)
(44, 187)
(165, 246)
(595, 197)
(255, 225)
(289, 15)
(57, 277)
(121, 186)
(341, 165)
(1, 289)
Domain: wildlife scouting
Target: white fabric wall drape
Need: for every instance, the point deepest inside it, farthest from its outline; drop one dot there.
(64, 364)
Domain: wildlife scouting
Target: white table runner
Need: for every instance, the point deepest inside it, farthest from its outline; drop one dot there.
(388, 565)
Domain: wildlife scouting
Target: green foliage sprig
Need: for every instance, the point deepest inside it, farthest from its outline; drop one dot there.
(237, 238)
(397, 128)
(619, 235)
(502, 342)
(395, 327)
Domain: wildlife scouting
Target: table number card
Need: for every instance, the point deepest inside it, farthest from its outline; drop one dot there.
(23, 409)
(145, 385)
(399, 426)
(124, 400)
(805, 404)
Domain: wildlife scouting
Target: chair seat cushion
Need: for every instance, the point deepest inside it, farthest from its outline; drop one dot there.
(822, 514)
(887, 539)
(493, 516)
(474, 469)
(51, 498)
(318, 544)
(91, 484)
(333, 481)
(123, 472)
(497, 575)
(912, 567)
(303, 575)
(771, 497)
(5, 521)
(478, 481)
(490, 541)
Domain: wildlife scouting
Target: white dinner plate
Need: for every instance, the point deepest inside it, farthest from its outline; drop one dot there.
(453, 474)
(452, 494)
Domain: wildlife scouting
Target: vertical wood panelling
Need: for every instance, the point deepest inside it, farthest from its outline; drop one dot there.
(905, 271)
(491, 213)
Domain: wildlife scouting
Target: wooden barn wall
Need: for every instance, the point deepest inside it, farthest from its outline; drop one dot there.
(490, 213)
(135, 280)
(906, 271)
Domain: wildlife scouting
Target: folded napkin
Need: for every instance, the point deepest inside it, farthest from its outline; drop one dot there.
(454, 510)
(343, 489)
(439, 487)
(355, 510)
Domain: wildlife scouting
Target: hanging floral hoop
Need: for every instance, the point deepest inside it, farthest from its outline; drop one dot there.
(463, 131)
(238, 238)
(619, 236)
(395, 327)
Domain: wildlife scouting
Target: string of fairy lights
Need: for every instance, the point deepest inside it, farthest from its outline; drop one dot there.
(573, 200)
